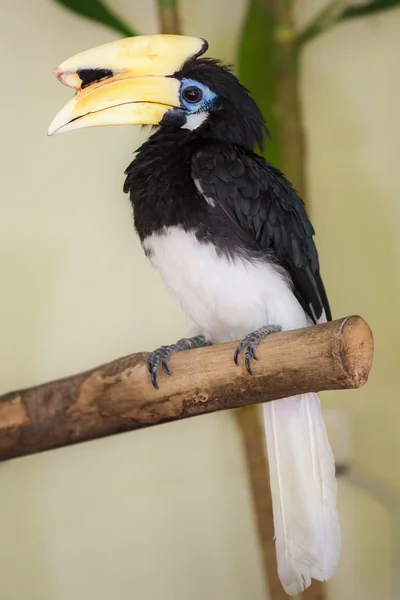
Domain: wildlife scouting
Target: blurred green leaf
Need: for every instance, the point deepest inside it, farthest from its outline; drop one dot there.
(98, 11)
(368, 8)
(256, 66)
(333, 13)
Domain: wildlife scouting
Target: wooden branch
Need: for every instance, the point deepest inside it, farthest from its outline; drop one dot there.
(119, 397)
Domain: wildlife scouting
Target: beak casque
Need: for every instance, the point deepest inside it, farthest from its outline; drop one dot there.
(129, 81)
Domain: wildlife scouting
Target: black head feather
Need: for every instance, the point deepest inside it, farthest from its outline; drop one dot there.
(235, 116)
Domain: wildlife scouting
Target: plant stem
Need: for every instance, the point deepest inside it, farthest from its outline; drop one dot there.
(286, 106)
(169, 16)
(323, 21)
(249, 422)
(287, 101)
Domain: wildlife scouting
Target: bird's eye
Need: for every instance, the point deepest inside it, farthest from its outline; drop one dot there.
(196, 96)
(192, 94)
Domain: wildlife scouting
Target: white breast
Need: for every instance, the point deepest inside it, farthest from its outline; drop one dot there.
(225, 298)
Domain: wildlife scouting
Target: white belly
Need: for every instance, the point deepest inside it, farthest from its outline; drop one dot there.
(225, 299)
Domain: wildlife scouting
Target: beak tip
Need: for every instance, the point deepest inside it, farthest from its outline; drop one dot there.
(68, 78)
(59, 73)
(53, 128)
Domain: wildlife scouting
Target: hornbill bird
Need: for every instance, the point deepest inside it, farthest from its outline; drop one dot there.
(231, 239)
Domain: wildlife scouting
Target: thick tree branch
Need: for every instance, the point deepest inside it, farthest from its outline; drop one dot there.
(119, 396)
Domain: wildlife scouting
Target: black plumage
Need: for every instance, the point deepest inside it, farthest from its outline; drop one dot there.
(252, 208)
(266, 205)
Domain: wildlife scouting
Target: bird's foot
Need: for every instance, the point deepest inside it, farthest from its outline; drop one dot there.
(250, 343)
(160, 357)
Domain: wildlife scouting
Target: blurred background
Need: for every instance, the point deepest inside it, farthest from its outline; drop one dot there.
(168, 513)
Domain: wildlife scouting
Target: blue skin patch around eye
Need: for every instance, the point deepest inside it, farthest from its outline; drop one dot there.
(204, 103)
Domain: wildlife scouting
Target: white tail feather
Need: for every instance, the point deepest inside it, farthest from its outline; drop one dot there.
(303, 487)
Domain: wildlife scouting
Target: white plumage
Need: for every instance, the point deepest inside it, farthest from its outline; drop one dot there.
(303, 486)
(226, 299)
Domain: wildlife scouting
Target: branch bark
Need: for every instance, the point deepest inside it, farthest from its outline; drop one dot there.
(118, 396)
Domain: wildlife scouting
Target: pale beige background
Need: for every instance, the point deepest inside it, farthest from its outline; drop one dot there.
(164, 514)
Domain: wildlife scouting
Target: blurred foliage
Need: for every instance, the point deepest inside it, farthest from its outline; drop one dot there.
(359, 10)
(99, 11)
(96, 10)
(256, 68)
(267, 35)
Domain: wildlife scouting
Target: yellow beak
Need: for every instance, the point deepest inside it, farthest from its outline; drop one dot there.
(125, 82)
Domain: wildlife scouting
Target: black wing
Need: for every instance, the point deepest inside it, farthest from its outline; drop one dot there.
(263, 202)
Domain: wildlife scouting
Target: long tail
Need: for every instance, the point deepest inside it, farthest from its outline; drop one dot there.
(303, 486)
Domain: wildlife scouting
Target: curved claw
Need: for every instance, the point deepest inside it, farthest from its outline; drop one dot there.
(247, 362)
(236, 355)
(250, 343)
(158, 359)
(154, 377)
(252, 353)
(165, 368)
(249, 355)
(161, 356)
